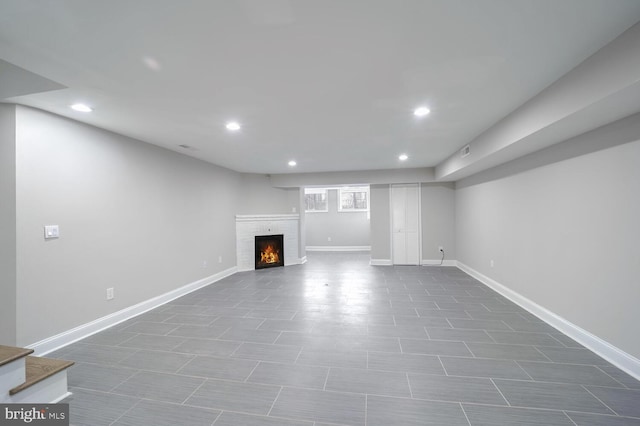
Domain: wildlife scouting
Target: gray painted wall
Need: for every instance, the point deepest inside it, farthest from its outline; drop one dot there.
(297, 195)
(344, 229)
(7, 226)
(438, 220)
(565, 235)
(132, 216)
(380, 222)
(259, 197)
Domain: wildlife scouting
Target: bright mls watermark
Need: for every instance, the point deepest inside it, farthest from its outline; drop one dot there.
(34, 414)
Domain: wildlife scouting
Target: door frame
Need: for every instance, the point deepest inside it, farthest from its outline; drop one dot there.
(419, 185)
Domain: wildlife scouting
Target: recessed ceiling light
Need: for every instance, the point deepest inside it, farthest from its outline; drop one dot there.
(233, 126)
(403, 157)
(292, 163)
(421, 111)
(151, 63)
(81, 108)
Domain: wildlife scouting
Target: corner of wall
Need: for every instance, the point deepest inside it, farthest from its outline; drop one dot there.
(8, 331)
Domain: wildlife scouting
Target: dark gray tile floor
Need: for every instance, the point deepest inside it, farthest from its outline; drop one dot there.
(339, 342)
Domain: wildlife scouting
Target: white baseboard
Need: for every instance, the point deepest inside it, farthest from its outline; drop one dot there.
(302, 260)
(58, 341)
(436, 262)
(380, 262)
(60, 398)
(616, 356)
(338, 248)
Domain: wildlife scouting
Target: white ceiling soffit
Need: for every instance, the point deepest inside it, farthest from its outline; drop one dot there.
(330, 84)
(602, 89)
(15, 81)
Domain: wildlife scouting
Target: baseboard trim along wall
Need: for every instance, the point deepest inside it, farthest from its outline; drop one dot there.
(436, 262)
(614, 355)
(53, 343)
(424, 262)
(338, 248)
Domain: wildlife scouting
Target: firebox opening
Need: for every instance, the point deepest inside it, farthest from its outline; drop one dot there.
(269, 251)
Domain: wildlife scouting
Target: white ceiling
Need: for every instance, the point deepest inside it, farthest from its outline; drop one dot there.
(329, 83)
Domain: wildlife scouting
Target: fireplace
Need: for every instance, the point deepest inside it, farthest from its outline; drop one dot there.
(269, 251)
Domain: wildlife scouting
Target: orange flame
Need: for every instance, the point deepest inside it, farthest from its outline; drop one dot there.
(269, 255)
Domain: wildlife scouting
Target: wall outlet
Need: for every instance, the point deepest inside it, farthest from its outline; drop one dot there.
(219, 259)
(329, 239)
(491, 263)
(294, 210)
(110, 294)
(51, 231)
(204, 263)
(441, 249)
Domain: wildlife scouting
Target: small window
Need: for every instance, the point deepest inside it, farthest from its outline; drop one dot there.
(316, 200)
(354, 199)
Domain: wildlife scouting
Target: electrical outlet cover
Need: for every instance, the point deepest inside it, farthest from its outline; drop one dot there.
(51, 231)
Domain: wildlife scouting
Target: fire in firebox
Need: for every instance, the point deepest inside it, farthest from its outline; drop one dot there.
(269, 251)
(269, 255)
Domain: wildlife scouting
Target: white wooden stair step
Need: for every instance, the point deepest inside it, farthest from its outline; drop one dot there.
(39, 369)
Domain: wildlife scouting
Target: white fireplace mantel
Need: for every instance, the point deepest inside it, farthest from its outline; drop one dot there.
(266, 217)
(248, 226)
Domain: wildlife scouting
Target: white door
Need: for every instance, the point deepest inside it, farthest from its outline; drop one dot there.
(405, 222)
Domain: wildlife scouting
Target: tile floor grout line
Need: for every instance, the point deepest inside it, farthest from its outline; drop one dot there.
(569, 417)
(523, 407)
(442, 365)
(125, 412)
(469, 349)
(366, 409)
(601, 401)
(409, 383)
(563, 345)
(621, 384)
(217, 417)
(525, 371)
(465, 413)
(299, 353)
(251, 372)
(499, 391)
(194, 391)
(326, 379)
(542, 353)
(274, 401)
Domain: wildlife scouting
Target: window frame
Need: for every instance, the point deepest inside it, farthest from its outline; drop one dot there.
(354, 189)
(311, 191)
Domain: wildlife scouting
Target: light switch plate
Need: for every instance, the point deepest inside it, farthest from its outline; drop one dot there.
(51, 231)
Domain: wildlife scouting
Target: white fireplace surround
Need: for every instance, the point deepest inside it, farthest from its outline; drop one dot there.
(248, 226)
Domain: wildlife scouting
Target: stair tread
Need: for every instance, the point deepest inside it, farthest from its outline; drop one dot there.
(10, 353)
(38, 369)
